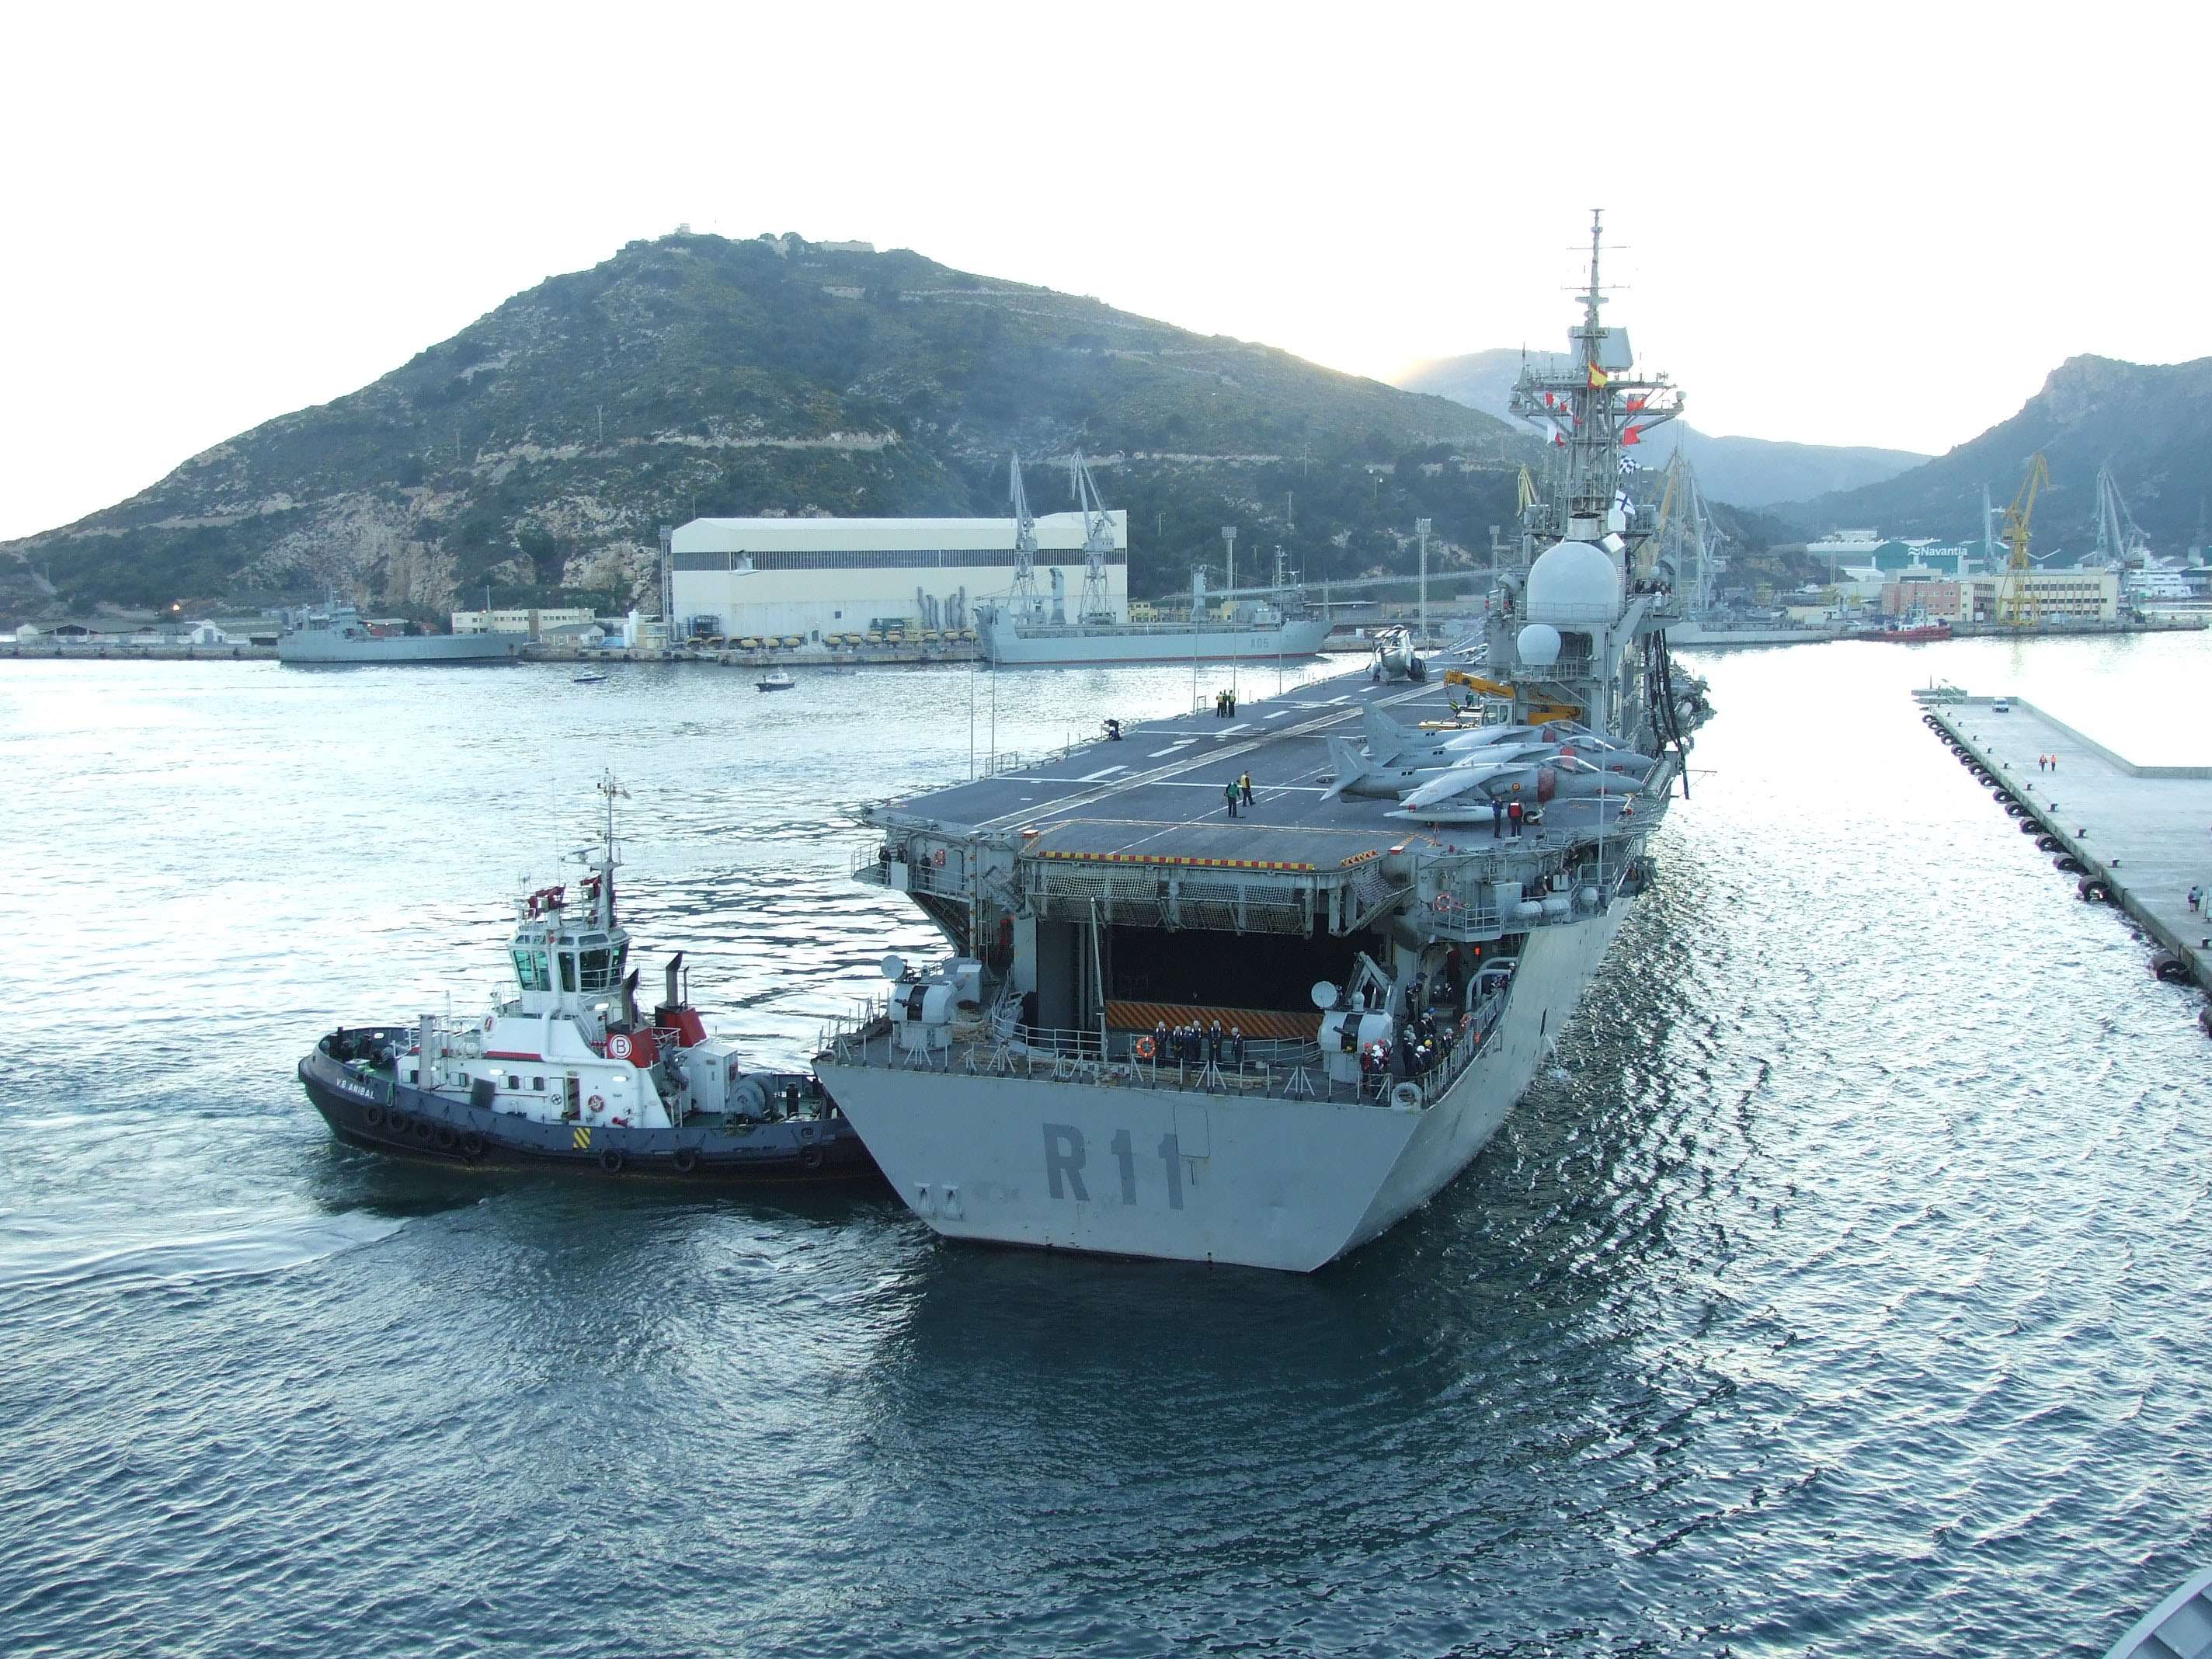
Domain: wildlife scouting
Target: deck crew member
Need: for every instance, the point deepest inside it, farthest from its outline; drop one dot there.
(1229, 793)
(1496, 817)
(1244, 787)
(1513, 810)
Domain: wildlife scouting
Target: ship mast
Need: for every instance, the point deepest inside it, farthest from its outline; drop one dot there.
(1594, 409)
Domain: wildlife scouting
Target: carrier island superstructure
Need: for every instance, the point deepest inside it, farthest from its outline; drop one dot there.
(1387, 960)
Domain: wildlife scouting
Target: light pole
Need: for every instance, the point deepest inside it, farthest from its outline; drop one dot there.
(1228, 542)
(1422, 526)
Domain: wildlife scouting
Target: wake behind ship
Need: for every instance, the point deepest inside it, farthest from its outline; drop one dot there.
(1187, 1018)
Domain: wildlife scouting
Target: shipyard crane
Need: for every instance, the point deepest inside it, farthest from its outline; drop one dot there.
(1097, 603)
(1028, 603)
(2016, 602)
(2120, 540)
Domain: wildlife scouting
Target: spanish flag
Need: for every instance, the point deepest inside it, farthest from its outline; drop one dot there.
(1599, 379)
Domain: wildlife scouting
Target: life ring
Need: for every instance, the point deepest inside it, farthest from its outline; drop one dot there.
(1443, 904)
(687, 1159)
(472, 1146)
(488, 1022)
(1144, 1048)
(372, 1115)
(445, 1138)
(398, 1122)
(937, 859)
(599, 1103)
(810, 1158)
(611, 1160)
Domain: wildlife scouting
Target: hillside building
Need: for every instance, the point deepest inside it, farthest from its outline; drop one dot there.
(809, 578)
(2054, 595)
(536, 621)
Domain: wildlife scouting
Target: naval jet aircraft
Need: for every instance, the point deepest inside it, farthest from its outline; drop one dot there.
(1396, 658)
(1465, 795)
(1363, 775)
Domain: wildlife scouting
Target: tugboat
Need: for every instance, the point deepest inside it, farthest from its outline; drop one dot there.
(565, 1072)
(774, 680)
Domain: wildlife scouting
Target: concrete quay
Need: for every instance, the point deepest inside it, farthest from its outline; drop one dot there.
(2143, 834)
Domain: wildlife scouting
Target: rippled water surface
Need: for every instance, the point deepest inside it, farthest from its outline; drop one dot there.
(1842, 1291)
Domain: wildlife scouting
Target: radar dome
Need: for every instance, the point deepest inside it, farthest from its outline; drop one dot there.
(1538, 645)
(1575, 582)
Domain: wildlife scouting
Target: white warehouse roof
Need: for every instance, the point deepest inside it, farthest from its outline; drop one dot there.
(1056, 531)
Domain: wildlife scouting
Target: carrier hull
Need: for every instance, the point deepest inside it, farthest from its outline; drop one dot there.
(1188, 1175)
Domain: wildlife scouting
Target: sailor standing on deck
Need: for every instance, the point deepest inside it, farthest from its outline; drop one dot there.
(1513, 810)
(1244, 787)
(1229, 793)
(1496, 817)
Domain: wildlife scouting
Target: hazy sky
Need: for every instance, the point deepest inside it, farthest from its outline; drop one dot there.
(1843, 224)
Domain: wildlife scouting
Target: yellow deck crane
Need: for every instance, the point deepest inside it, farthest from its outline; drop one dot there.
(1542, 714)
(2017, 601)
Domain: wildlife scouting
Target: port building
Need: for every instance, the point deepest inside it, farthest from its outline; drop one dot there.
(813, 579)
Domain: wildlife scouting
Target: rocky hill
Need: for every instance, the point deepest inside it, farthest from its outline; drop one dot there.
(539, 449)
(2152, 422)
(1747, 471)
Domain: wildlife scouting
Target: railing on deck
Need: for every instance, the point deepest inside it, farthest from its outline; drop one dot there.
(997, 1046)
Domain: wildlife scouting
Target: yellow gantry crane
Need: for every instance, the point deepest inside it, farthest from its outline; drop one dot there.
(2016, 602)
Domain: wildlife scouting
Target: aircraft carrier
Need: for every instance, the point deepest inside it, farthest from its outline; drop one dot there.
(1262, 1036)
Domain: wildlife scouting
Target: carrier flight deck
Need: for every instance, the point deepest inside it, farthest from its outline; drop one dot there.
(1156, 796)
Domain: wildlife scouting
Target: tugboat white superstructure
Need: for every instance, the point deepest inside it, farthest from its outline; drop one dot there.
(1184, 1017)
(566, 1070)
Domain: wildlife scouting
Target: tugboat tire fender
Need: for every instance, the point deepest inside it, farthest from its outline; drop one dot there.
(399, 1123)
(445, 1138)
(372, 1115)
(810, 1158)
(687, 1159)
(611, 1160)
(472, 1146)
(424, 1129)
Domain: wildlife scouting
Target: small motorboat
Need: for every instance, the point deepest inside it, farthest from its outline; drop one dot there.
(775, 680)
(566, 1071)
(589, 677)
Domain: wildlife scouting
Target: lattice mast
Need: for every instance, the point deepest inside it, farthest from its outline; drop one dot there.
(1594, 409)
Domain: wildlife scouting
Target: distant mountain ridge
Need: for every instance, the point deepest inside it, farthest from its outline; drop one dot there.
(537, 450)
(1747, 471)
(2152, 422)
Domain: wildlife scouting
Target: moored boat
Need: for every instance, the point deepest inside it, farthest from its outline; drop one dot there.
(567, 1072)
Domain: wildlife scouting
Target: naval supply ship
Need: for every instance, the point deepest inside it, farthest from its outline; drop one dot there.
(1027, 629)
(1184, 1017)
(339, 635)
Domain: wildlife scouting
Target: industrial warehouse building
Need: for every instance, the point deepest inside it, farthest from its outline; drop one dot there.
(814, 578)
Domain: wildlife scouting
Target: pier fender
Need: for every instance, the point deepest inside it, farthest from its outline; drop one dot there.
(2170, 969)
(2069, 865)
(2095, 891)
(2049, 844)
(2028, 826)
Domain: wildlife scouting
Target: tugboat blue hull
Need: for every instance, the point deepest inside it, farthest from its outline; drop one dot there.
(395, 1118)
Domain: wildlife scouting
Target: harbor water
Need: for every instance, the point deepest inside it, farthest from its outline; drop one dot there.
(1840, 1290)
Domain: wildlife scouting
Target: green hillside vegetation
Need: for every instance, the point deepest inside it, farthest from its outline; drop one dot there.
(538, 451)
(2152, 422)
